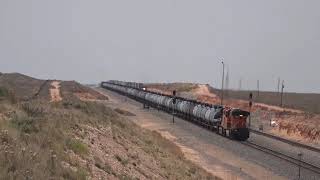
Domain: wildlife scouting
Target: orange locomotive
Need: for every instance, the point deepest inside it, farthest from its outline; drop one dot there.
(234, 124)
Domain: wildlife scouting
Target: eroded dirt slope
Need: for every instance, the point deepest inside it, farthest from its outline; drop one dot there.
(55, 91)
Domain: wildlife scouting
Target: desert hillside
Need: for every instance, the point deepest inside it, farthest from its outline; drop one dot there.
(22, 87)
(52, 129)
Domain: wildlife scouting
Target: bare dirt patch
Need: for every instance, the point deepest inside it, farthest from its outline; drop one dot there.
(85, 96)
(55, 92)
(204, 91)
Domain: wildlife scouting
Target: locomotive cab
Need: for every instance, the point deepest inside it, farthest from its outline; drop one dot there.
(234, 123)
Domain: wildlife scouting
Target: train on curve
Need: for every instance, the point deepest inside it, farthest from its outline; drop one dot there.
(226, 121)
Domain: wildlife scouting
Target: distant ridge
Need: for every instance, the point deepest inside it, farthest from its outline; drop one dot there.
(23, 86)
(26, 88)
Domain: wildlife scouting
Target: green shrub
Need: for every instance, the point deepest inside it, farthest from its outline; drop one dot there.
(104, 166)
(34, 109)
(8, 95)
(24, 123)
(82, 174)
(77, 146)
(3, 92)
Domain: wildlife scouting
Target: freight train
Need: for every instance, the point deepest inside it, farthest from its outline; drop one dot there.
(226, 121)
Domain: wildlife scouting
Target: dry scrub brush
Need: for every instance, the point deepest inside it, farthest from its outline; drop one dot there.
(36, 139)
(36, 135)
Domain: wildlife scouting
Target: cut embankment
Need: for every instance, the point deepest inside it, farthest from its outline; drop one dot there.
(55, 91)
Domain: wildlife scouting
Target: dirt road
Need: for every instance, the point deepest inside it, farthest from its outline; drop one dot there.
(200, 146)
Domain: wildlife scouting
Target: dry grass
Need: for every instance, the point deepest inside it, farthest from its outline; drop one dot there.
(72, 88)
(77, 146)
(170, 87)
(35, 136)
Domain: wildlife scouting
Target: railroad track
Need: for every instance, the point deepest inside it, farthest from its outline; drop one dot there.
(286, 141)
(292, 160)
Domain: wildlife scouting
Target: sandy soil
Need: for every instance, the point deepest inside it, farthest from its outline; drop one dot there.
(55, 92)
(220, 162)
(204, 90)
(85, 96)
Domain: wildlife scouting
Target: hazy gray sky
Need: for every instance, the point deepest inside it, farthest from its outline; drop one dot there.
(164, 40)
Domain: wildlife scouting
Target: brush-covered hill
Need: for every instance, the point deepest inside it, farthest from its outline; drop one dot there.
(63, 130)
(23, 87)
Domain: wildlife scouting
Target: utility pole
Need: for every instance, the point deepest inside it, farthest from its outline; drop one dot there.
(227, 83)
(250, 106)
(222, 82)
(258, 88)
(144, 103)
(240, 84)
(174, 103)
(281, 101)
(278, 90)
(300, 158)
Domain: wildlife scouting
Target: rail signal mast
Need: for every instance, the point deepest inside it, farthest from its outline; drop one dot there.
(174, 103)
(281, 100)
(222, 83)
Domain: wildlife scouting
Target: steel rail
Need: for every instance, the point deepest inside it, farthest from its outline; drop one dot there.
(286, 141)
(285, 157)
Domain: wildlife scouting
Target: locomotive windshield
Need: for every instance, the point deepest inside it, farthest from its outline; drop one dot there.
(241, 113)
